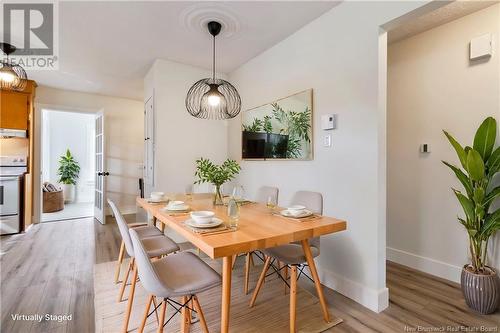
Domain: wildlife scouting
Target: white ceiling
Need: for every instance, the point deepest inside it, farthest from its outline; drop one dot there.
(447, 13)
(107, 47)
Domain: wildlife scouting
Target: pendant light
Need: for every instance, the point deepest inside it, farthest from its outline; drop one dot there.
(213, 98)
(12, 76)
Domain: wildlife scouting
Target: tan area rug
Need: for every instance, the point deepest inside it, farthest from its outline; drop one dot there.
(270, 314)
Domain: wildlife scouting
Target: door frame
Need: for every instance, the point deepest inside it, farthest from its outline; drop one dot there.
(38, 150)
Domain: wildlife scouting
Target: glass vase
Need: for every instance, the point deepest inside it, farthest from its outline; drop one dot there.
(218, 200)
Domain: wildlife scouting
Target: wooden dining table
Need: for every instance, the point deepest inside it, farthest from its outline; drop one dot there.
(258, 228)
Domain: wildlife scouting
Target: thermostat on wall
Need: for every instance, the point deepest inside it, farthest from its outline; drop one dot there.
(328, 121)
(481, 47)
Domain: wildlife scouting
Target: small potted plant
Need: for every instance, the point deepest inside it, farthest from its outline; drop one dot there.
(479, 164)
(68, 172)
(208, 172)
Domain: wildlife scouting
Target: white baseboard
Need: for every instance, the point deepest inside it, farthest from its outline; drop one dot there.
(425, 264)
(375, 300)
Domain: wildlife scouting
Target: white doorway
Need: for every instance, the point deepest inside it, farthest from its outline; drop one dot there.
(63, 132)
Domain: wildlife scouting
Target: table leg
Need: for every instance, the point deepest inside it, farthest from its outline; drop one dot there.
(317, 283)
(293, 298)
(226, 293)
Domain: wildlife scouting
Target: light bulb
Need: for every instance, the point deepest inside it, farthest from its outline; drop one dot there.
(7, 75)
(213, 99)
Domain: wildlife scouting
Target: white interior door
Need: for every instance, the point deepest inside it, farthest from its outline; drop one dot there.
(100, 170)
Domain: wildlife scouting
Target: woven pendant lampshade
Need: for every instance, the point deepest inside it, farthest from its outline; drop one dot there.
(12, 76)
(213, 98)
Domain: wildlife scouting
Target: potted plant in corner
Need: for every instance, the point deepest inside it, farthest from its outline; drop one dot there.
(479, 164)
(208, 172)
(68, 172)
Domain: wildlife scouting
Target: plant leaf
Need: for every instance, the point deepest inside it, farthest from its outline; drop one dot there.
(462, 156)
(467, 205)
(491, 196)
(484, 140)
(462, 177)
(475, 165)
(478, 195)
(491, 224)
(493, 163)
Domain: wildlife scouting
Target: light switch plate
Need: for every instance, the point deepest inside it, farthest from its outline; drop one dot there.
(327, 141)
(481, 47)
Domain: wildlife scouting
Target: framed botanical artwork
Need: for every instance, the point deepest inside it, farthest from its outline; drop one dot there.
(281, 130)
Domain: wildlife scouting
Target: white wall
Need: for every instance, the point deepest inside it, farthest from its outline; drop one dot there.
(338, 56)
(76, 132)
(180, 138)
(124, 135)
(433, 86)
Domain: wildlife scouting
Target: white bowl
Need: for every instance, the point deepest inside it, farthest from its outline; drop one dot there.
(176, 203)
(202, 216)
(157, 195)
(296, 209)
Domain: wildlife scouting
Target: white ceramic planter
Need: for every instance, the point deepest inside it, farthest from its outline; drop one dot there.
(69, 192)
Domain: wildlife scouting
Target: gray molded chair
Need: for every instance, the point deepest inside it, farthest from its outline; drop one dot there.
(292, 255)
(156, 244)
(262, 196)
(145, 232)
(265, 192)
(182, 275)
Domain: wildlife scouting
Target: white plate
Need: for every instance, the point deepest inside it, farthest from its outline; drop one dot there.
(305, 213)
(156, 201)
(177, 207)
(214, 223)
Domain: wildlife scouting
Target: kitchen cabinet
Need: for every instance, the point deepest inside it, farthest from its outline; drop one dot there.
(14, 110)
(17, 112)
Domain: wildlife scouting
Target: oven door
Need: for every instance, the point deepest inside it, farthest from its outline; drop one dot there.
(9, 195)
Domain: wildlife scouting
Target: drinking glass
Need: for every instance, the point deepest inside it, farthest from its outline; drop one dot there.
(189, 191)
(233, 212)
(238, 193)
(271, 203)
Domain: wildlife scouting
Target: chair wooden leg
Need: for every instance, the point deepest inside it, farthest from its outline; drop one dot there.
(162, 316)
(130, 300)
(186, 316)
(247, 271)
(125, 280)
(251, 259)
(286, 277)
(261, 281)
(293, 298)
(156, 309)
(201, 316)
(146, 311)
(317, 283)
(120, 261)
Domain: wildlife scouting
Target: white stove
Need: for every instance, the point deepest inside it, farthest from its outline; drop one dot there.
(12, 170)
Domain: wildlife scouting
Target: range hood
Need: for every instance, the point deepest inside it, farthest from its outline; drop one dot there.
(12, 133)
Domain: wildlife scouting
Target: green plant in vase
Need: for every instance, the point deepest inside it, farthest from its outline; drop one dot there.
(479, 165)
(68, 172)
(208, 172)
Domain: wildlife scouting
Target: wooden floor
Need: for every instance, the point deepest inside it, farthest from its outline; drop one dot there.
(50, 270)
